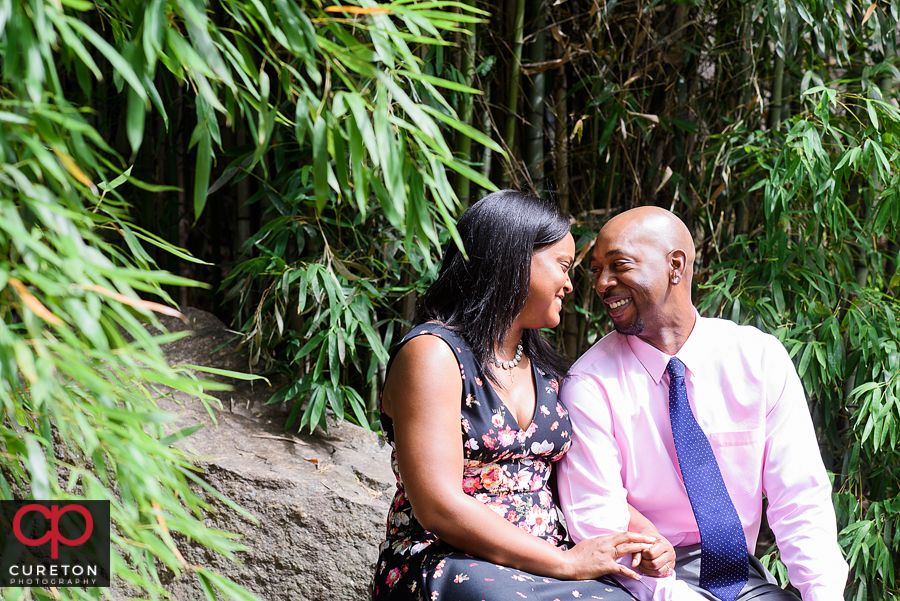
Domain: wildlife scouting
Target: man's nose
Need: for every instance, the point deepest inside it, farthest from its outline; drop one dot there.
(603, 281)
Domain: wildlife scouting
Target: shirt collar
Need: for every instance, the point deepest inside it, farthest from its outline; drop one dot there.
(655, 360)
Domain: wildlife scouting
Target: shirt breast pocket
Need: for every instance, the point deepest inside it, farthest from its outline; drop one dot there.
(739, 455)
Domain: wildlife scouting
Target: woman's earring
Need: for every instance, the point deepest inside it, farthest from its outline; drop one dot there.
(675, 280)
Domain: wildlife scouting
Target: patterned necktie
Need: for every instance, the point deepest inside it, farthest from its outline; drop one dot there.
(723, 548)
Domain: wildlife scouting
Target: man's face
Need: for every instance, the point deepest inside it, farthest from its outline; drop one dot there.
(631, 275)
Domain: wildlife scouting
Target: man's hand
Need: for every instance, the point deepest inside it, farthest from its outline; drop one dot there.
(657, 561)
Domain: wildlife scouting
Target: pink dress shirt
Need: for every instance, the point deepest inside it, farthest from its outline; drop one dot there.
(748, 399)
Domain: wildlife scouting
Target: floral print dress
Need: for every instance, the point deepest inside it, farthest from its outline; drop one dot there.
(507, 469)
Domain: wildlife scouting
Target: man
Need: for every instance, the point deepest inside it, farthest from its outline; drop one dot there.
(732, 390)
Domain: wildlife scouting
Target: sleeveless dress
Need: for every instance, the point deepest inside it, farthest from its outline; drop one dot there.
(507, 469)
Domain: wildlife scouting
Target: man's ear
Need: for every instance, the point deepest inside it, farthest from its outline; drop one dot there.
(677, 265)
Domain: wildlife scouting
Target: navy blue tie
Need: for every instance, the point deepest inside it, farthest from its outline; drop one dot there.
(723, 548)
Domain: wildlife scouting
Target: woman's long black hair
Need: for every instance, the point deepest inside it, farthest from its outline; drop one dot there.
(479, 298)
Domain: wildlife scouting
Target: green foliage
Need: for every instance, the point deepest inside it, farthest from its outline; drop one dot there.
(353, 227)
(80, 372)
(820, 271)
(345, 139)
(771, 129)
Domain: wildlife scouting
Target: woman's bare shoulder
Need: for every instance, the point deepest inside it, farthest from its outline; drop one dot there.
(425, 365)
(426, 354)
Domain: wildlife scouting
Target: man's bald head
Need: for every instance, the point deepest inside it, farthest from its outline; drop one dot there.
(657, 227)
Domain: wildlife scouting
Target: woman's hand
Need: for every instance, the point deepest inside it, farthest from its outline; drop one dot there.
(657, 561)
(597, 556)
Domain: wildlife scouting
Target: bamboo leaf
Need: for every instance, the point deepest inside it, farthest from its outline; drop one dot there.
(132, 302)
(364, 125)
(180, 435)
(38, 468)
(30, 301)
(223, 372)
(469, 173)
(869, 12)
(466, 130)
(804, 14)
(202, 172)
(804, 360)
(314, 342)
(320, 163)
(119, 64)
(152, 31)
(73, 42)
(13, 118)
(162, 244)
(873, 115)
(440, 82)
(317, 403)
(340, 162)
(883, 163)
(135, 120)
(72, 167)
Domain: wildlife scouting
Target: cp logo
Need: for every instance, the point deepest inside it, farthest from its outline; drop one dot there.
(53, 534)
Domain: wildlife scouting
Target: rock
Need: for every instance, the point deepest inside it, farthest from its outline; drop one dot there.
(320, 499)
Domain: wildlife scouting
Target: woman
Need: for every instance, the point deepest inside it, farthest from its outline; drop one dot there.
(474, 517)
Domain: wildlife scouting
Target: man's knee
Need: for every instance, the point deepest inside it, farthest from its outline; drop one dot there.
(767, 592)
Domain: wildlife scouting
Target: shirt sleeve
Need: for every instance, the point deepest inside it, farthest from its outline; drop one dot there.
(591, 492)
(800, 513)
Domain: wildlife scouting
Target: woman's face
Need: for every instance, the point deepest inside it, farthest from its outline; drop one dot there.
(549, 285)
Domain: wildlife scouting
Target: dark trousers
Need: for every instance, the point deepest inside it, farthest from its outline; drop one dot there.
(760, 585)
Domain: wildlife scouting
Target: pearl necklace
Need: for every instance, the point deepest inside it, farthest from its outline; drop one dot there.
(509, 364)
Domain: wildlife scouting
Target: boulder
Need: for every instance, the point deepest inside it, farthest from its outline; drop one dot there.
(320, 499)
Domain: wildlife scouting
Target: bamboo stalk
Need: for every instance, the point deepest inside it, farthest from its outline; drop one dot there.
(778, 84)
(487, 154)
(562, 138)
(467, 66)
(515, 72)
(533, 148)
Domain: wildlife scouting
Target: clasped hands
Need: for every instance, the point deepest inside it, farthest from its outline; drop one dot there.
(653, 555)
(656, 561)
